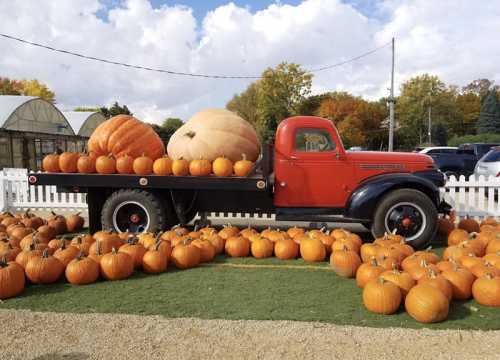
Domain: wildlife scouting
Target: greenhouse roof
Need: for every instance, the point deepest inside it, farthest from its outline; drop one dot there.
(9, 104)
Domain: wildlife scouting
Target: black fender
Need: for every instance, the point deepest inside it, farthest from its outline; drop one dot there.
(364, 200)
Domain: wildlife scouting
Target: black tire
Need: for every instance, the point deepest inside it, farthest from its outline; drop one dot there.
(152, 215)
(421, 233)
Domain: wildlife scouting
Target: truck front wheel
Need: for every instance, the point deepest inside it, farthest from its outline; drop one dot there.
(408, 212)
(135, 211)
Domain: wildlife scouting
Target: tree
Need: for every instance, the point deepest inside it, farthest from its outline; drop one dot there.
(245, 104)
(281, 91)
(36, 88)
(167, 128)
(480, 87)
(26, 88)
(440, 135)
(418, 95)
(489, 117)
(9, 87)
(114, 110)
(310, 105)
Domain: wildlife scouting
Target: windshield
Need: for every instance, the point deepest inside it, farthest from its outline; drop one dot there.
(491, 156)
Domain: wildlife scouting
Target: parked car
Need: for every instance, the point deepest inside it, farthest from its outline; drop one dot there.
(489, 164)
(306, 176)
(459, 161)
(438, 150)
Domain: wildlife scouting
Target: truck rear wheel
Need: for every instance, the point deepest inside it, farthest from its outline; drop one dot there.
(410, 213)
(136, 211)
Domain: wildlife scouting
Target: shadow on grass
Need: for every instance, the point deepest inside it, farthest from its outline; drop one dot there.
(459, 310)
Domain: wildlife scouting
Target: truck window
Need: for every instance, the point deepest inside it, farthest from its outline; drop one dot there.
(313, 140)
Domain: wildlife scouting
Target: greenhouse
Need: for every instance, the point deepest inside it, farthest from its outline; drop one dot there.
(31, 127)
(84, 123)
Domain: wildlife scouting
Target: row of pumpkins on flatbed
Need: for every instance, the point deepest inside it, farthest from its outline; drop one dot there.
(72, 162)
(389, 271)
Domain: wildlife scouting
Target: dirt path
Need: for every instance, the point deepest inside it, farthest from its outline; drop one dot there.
(34, 335)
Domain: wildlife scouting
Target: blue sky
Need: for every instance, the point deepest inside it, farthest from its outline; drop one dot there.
(201, 7)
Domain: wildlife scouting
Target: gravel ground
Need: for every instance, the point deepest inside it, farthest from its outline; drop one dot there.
(35, 335)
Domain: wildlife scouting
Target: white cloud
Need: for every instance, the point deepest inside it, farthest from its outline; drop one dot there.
(453, 39)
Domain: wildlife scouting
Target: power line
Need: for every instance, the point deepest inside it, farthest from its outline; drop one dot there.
(171, 72)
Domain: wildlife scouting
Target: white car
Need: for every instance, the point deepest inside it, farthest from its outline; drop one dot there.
(439, 150)
(489, 164)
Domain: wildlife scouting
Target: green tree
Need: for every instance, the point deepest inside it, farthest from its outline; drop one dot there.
(310, 105)
(245, 104)
(281, 91)
(440, 135)
(418, 95)
(114, 110)
(489, 117)
(167, 128)
(480, 87)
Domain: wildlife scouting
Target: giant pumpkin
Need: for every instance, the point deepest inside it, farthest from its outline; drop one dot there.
(125, 135)
(213, 133)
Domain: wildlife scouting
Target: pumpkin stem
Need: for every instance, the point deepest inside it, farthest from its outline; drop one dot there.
(243, 156)
(190, 134)
(45, 253)
(157, 244)
(113, 250)
(373, 261)
(381, 280)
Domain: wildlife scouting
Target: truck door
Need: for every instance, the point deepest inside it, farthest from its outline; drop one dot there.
(314, 174)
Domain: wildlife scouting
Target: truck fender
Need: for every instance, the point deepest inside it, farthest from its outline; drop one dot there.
(364, 200)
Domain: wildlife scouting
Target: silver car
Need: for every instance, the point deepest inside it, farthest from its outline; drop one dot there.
(489, 164)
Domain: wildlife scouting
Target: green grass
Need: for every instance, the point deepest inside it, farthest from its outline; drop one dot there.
(215, 291)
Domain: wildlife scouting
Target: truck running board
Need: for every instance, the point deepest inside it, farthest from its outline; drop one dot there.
(319, 218)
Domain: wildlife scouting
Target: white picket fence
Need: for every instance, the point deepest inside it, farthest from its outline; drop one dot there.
(477, 197)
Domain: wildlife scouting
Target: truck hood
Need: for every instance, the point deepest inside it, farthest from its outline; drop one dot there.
(390, 161)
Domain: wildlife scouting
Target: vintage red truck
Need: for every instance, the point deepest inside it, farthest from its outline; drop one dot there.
(306, 175)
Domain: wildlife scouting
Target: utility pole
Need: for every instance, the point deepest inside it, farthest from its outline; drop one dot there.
(391, 104)
(429, 130)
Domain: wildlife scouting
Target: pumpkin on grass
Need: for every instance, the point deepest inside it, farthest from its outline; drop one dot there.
(469, 225)
(461, 281)
(367, 272)
(286, 249)
(155, 260)
(58, 222)
(11, 279)
(311, 249)
(427, 304)
(367, 251)
(381, 296)
(82, 270)
(207, 250)
(212, 133)
(486, 290)
(66, 253)
(456, 236)
(439, 282)
(45, 269)
(135, 250)
(229, 231)
(446, 225)
(217, 241)
(74, 222)
(27, 254)
(124, 134)
(345, 262)
(50, 163)
(9, 253)
(185, 255)
(125, 164)
(262, 248)
(116, 265)
(400, 278)
(237, 246)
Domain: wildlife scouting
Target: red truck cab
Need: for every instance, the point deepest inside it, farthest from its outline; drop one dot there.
(312, 168)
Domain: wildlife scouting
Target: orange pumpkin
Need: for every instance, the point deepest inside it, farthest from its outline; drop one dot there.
(368, 251)
(427, 304)
(486, 290)
(222, 167)
(143, 165)
(439, 282)
(124, 134)
(237, 246)
(207, 250)
(312, 249)
(445, 225)
(86, 164)
(216, 241)
(66, 253)
(345, 262)
(400, 278)
(381, 296)
(468, 224)
(186, 255)
(116, 265)
(286, 249)
(243, 167)
(461, 281)
(180, 167)
(456, 236)
(44, 269)
(200, 167)
(262, 248)
(50, 163)
(105, 164)
(367, 272)
(68, 162)
(134, 250)
(82, 270)
(11, 279)
(124, 164)
(155, 260)
(162, 166)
